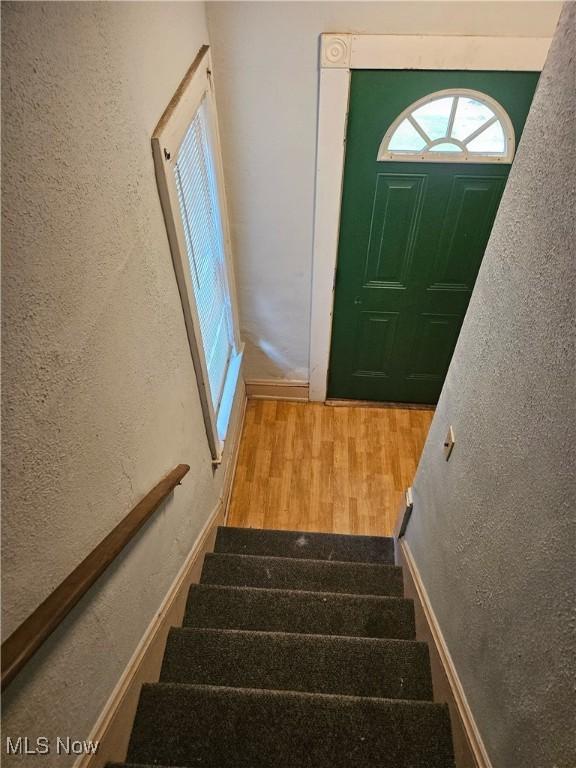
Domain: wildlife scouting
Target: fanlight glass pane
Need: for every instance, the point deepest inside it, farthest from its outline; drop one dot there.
(446, 146)
(470, 115)
(491, 141)
(406, 139)
(466, 125)
(433, 117)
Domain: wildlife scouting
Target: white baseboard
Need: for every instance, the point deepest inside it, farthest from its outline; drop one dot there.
(469, 748)
(113, 727)
(112, 730)
(277, 389)
(233, 463)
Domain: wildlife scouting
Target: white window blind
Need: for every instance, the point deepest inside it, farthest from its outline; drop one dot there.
(188, 165)
(195, 179)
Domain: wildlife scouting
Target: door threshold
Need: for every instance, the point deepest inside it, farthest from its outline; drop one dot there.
(338, 402)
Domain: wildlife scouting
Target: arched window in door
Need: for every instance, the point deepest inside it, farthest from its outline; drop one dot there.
(452, 126)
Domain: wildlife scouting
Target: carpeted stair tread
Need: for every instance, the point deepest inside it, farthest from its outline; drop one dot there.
(297, 651)
(316, 613)
(188, 725)
(301, 544)
(393, 669)
(308, 575)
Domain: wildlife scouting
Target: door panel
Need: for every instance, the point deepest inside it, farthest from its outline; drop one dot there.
(376, 334)
(433, 334)
(470, 213)
(395, 213)
(412, 238)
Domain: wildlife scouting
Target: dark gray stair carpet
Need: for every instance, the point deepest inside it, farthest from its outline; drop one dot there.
(309, 575)
(391, 669)
(314, 613)
(297, 651)
(188, 725)
(300, 544)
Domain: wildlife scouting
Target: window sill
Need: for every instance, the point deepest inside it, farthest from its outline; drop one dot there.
(227, 402)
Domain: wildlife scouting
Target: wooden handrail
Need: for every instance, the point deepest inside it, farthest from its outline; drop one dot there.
(25, 641)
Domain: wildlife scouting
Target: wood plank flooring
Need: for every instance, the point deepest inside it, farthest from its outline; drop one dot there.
(313, 467)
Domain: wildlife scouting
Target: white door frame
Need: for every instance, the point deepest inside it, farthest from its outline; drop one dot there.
(339, 55)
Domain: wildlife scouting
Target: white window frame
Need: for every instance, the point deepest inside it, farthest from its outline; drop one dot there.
(500, 115)
(340, 53)
(167, 138)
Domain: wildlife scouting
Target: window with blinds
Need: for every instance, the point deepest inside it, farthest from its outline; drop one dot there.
(198, 197)
(186, 152)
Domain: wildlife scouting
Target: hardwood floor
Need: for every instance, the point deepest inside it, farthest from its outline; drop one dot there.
(313, 467)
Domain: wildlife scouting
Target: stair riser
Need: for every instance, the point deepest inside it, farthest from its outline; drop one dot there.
(303, 545)
(301, 612)
(307, 575)
(227, 728)
(354, 667)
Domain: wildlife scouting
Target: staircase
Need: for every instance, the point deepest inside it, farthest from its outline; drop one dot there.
(297, 650)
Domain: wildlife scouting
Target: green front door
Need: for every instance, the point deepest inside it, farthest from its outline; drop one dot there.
(412, 238)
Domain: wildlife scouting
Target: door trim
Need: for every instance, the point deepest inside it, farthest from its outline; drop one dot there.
(339, 55)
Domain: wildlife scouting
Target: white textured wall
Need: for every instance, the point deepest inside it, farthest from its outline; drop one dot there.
(266, 64)
(99, 393)
(492, 530)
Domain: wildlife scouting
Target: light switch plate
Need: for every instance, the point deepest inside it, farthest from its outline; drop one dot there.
(449, 443)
